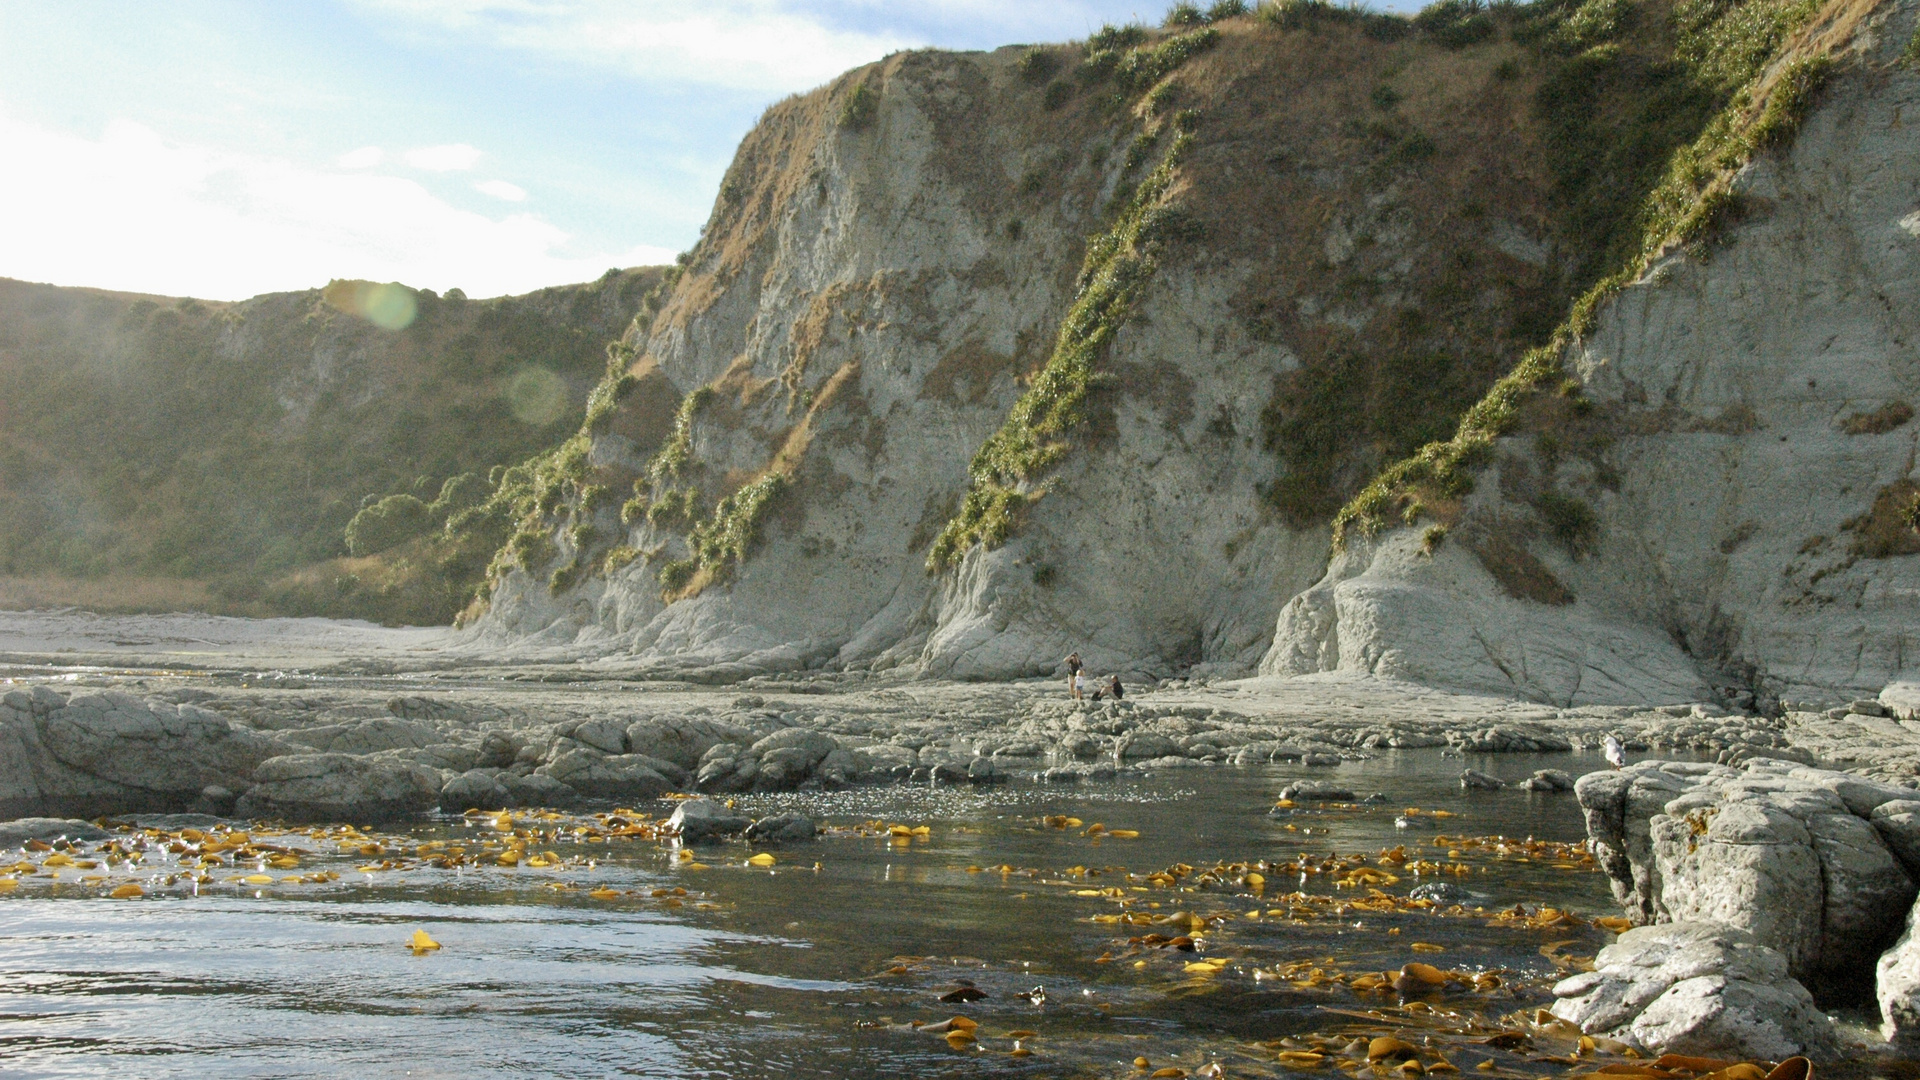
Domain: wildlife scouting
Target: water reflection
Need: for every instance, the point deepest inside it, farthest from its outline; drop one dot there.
(796, 970)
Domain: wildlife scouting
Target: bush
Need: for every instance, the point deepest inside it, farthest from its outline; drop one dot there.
(860, 107)
(388, 523)
(675, 575)
(1037, 65)
(1058, 93)
(1114, 38)
(1184, 16)
(1226, 9)
(1456, 24)
(1570, 520)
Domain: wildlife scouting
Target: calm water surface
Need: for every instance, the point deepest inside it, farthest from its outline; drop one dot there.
(796, 969)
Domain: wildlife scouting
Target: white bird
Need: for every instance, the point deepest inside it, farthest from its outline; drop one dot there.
(1616, 754)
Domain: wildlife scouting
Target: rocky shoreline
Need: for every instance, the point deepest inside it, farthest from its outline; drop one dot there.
(355, 749)
(1771, 875)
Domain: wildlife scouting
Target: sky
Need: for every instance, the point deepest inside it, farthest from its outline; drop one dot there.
(221, 149)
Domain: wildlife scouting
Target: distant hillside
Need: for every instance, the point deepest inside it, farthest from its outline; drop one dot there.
(157, 451)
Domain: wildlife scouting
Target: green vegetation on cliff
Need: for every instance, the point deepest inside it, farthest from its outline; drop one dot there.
(1716, 83)
(287, 453)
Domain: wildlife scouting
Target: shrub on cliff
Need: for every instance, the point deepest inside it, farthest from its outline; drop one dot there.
(387, 523)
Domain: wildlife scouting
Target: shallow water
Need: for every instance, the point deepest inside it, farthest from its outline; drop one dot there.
(815, 966)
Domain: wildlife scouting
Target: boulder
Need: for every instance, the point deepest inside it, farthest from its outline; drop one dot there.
(606, 736)
(1146, 744)
(497, 751)
(782, 829)
(1316, 791)
(364, 736)
(1475, 780)
(112, 753)
(682, 740)
(536, 790)
(1786, 852)
(1696, 988)
(1548, 780)
(1897, 989)
(842, 767)
(700, 820)
(475, 789)
(338, 787)
(795, 744)
(15, 833)
(1442, 892)
(1898, 823)
(1902, 700)
(595, 775)
(982, 770)
(216, 801)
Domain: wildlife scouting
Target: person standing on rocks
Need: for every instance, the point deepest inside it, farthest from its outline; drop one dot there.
(1073, 675)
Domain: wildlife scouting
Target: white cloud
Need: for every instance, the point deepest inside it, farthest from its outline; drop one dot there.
(364, 158)
(132, 211)
(500, 189)
(454, 157)
(740, 44)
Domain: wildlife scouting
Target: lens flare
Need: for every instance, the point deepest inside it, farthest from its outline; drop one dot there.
(536, 396)
(387, 306)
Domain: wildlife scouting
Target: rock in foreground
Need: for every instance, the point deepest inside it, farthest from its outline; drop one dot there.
(1784, 851)
(1696, 988)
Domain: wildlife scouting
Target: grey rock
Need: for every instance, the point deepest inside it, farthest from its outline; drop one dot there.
(1897, 989)
(1316, 791)
(1413, 822)
(602, 776)
(1697, 988)
(338, 787)
(1475, 780)
(364, 736)
(702, 820)
(782, 829)
(535, 789)
(1442, 892)
(1059, 774)
(606, 736)
(809, 746)
(685, 741)
(1145, 744)
(1898, 824)
(497, 751)
(1320, 760)
(983, 771)
(1772, 847)
(19, 831)
(216, 801)
(1083, 746)
(1548, 780)
(476, 789)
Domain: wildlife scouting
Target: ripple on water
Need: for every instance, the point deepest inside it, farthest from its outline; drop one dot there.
(800, 969)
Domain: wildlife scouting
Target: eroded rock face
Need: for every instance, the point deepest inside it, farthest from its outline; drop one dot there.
(1768, 558)
(1698, 988)
(92, 754)
(338, 787)
(1780, 850)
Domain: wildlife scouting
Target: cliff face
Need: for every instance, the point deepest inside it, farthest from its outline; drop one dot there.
(1733, 512)
(1202, 284)
(229, 445)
